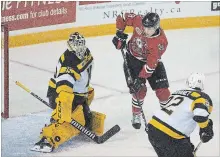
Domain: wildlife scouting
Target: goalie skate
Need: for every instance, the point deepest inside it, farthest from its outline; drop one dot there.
(136, 121)
(42, 146)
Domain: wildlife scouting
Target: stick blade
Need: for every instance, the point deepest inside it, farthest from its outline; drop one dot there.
(111, 132)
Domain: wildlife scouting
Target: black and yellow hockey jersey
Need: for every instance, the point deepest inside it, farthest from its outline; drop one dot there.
(185, 108)
(72, 74)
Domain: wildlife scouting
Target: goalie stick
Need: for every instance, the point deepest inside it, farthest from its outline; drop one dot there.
(98, 139)
(130, 79)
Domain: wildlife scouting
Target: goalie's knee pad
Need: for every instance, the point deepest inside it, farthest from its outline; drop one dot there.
(63, 109)
(91, 94)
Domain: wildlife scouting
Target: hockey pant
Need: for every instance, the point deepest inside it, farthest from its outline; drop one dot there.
(158, 81)
(167, 146)
(60, 130)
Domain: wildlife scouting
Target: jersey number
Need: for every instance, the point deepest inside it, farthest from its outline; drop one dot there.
(89, 70)
(172, 102)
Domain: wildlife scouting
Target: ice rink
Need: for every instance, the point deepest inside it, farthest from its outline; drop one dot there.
(189, 50)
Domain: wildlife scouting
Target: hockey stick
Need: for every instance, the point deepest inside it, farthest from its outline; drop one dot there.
(98, 139)
(130, 80)
(33, 94)
(197, 147)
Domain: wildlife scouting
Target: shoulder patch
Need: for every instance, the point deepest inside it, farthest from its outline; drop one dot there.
(161, 47)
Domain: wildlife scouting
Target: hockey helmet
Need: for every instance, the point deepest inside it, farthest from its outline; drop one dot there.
(151, 22)
(77, 45)
(196, 81)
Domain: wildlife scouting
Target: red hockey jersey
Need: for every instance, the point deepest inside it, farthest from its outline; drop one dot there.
(147, 49)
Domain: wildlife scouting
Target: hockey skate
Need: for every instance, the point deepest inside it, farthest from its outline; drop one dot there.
(136, 121)
(43, 146)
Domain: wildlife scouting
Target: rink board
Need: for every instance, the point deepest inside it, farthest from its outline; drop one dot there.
(109, 29)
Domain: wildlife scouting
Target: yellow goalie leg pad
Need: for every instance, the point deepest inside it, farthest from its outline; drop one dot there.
(64, 107)
(58, 133)
(98, 121)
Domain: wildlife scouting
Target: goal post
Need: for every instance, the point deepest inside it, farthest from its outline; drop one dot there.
(5, 70)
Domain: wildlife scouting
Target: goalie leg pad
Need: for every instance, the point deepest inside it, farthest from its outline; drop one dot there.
(98, 121)
(57, 133)
(64, 107)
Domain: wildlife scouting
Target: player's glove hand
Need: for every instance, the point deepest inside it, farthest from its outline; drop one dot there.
(136, 85)
(207, 133)
(120, 40)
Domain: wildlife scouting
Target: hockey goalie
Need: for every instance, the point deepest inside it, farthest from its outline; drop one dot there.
(70, 96)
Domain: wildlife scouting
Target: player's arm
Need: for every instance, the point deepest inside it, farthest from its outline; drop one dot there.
(51, 92)
(202, 108)
(152, 60)
(123, 20)
(126, 19)
(153, 57)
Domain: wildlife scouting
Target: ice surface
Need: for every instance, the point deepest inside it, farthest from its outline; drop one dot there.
(188, 51)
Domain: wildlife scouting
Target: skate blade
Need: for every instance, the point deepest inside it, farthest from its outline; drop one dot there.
(45, 149)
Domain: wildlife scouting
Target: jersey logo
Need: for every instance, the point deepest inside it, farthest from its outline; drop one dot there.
(139, 46)
(68, 70)
(161, 47)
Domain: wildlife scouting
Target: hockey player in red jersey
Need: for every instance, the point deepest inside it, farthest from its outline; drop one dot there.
(144, 50)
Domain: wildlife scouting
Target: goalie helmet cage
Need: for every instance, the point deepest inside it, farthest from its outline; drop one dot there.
(5, 70)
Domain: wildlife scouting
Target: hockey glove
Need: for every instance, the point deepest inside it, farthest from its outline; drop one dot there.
(120, 40)
(136, 85)
(207, 133)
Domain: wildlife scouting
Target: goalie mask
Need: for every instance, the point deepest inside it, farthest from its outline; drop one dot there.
(76, 43)
(196, 81)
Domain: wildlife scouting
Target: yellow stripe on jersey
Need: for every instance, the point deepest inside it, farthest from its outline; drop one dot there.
(201, 101)
(52, 84)
(204, 124)
(84, 62)
(65, 88)
(165, 129)
(197, 101)
(210, 109)
(62, 58)
(195, 94)
(67, 70)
